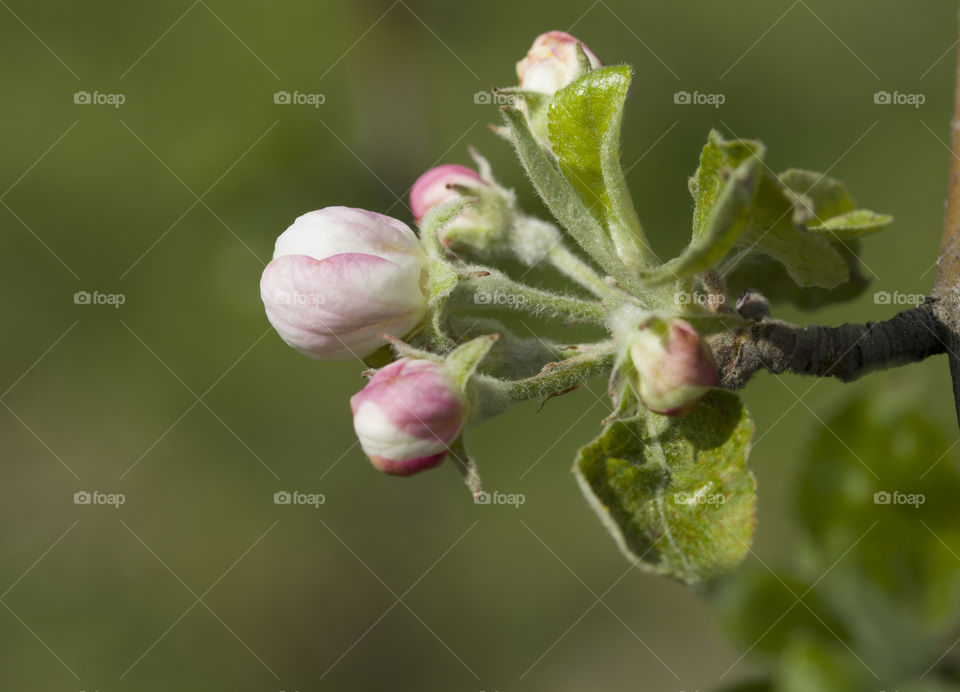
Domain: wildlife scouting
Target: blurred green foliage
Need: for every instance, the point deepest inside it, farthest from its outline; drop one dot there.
(112, 193)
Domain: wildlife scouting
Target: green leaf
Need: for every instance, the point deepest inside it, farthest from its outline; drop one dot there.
(723, 187)
(562, 199)
(584, 125)
(817, 196)
(759, 611)
(810, 259)
(719, 158)
(852, 224)
(820, 666)
(898, 583)
(676, 493)
(766, 275)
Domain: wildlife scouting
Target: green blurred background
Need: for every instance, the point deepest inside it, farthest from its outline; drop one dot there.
(185, 402)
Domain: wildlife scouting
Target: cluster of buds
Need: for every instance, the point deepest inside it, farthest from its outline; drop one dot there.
(348, 283)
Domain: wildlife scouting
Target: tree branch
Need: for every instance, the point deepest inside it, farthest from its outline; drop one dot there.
(845, 352)
(947, 286)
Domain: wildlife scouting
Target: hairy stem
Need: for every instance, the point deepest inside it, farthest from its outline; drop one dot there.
(845, 352)
(557, 378)
(484, 287)
(569, 264)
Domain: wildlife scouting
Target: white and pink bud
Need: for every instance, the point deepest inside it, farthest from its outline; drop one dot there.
(408, 415)
(341, 278)
(552, 62)
(674, 367)
(479, 227)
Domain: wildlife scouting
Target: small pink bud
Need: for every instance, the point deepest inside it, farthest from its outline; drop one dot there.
(552, 62)
(431, 188)
(408, 415)
(675, 368)
(340, 278)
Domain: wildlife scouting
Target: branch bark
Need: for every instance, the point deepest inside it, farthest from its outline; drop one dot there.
(845, 352)
(947, 286)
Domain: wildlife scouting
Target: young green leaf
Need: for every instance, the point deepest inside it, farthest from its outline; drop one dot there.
(562, 199)
(676, 493)
(852, 224)
(816, 196)
(584, 125)
(715, 229)
(810, 259)
(719, 158)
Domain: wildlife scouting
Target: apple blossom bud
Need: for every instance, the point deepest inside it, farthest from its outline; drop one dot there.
(552, 62)
(479, 229)
(674, 367)
(408, 415)
(342, 277)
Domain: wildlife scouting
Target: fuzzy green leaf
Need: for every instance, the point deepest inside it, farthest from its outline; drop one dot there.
(852, 224)
(719, 158)
(724, 187)
(816, 196)
(562, 199)
(676, 493)
(584, 125)
(809, 258)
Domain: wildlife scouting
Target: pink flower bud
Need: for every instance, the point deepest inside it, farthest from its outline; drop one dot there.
(342, 277)
(431, 188)
(408, 415)
(675, 368)
(552, 62)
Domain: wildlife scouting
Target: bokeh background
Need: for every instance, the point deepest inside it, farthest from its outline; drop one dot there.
(182, 400)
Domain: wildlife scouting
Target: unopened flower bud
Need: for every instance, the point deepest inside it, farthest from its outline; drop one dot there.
(480, 228)
(552, 62)
(408, 415)
(342, 277)
(674, 367)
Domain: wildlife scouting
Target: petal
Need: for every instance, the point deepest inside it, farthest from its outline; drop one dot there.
(431, 187)
(336, 308)
(345, 230)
